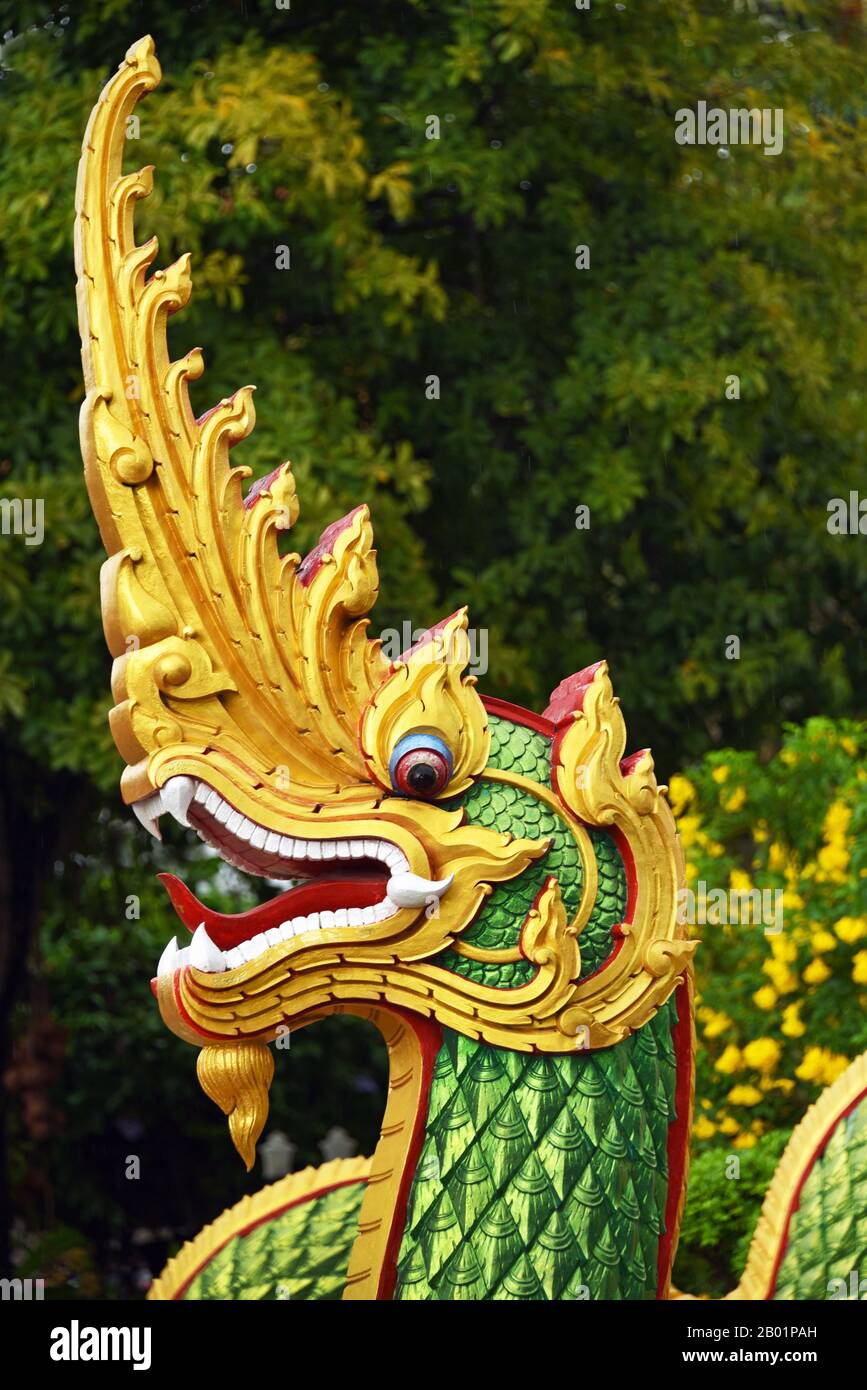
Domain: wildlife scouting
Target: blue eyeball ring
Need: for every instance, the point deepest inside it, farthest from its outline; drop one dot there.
(420, 766)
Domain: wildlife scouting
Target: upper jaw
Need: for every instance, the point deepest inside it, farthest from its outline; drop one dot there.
(363, 880)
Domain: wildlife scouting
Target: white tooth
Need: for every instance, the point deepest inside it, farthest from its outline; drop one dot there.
(202, 791)
(245, 829)
(341, 917)
(234, 958)
(382, 910)
(329, 849)
(177, 795)
(233, 822)
(285, 930)
(390, 854)
(182, 958)
(214, 800)
(408, 890)
(391, 907)
(204, 955)
(272, 843)
(273, 936)
(368, 914)
(314, 850)
(286, 846)
(167, 964)
(299, 925)
(248, 949)
(326, 919)
(343, 850)
(356, 849)
(258, 837)
(372, 848)
(223, 811)
(148, 812)
(355, 917)
(260, 942)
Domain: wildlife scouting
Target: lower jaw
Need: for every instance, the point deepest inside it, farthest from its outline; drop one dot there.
(271, 1000)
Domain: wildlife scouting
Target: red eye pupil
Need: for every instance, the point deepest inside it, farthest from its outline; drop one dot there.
(421, 772)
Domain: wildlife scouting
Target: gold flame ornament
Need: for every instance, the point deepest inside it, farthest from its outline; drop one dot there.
(238, 1078)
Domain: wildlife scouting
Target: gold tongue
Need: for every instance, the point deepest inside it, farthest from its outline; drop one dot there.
(236, 1076)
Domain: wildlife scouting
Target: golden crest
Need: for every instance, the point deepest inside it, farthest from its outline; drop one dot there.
(426, 692)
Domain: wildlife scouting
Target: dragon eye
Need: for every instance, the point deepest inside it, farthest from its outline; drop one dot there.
(421, 766)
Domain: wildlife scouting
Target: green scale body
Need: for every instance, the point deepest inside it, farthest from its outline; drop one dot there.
(542, 1177)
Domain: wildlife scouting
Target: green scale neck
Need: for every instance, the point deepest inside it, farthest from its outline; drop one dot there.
(542, 1177)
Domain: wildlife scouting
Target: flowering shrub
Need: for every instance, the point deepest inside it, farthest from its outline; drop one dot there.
(777, 877)
(777, 872)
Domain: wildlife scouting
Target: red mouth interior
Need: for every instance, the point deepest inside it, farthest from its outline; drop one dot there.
(321, 894)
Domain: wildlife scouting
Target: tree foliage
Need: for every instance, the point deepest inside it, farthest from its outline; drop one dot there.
(305, 131)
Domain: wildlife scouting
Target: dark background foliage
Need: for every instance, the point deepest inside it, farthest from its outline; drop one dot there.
(413, 257)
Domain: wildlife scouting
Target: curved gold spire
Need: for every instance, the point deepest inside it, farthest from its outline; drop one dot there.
(213, 632)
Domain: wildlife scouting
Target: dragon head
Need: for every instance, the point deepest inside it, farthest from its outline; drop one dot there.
(452, 858)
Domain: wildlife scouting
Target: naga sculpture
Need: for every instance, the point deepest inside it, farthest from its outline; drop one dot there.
(495, 890)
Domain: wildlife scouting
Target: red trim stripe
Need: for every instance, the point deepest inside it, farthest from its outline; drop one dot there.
(518, 715)
(678, 1132)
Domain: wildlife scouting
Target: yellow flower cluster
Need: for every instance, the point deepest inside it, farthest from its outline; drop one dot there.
(799, 961)
(833, 857)
(736, 800)
(821, 1065)
(763, 1054)
(784, 952)
(680, 793)
(745, 1095)
(793, 1025)
(851, 929)
(730, 1060)
(816, 973)
(765, 998)
(714, 1023)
